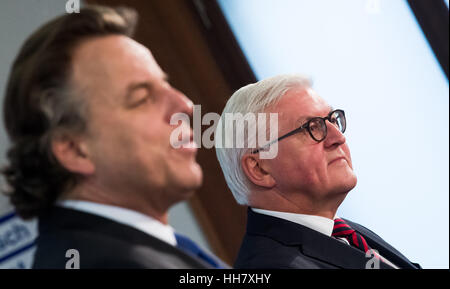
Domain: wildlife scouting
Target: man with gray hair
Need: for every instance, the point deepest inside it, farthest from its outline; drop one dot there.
(293, 197)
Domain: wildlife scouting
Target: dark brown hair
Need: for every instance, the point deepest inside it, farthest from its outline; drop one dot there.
(40, 101)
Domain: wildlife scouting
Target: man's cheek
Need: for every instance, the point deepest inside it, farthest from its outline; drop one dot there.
(349, 157)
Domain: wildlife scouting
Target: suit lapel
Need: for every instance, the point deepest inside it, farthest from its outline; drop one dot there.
(341, 255)
(310, 242)
(385, 250)
(69, 219)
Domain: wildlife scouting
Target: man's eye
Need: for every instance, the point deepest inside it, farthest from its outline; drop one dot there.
(313, 127)
(138, 101)
(140, 97)
(141, 101)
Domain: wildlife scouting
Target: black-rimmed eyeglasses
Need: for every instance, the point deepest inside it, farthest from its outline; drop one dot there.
(316, 127)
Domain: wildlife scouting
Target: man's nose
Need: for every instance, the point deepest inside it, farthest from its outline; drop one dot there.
(334, 136)
(181, 103)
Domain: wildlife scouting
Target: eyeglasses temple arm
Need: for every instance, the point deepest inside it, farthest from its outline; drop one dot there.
(297, 130)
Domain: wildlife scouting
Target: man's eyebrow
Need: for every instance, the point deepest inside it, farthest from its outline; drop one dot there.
(143, 84)
(301, 120)
(137, 85)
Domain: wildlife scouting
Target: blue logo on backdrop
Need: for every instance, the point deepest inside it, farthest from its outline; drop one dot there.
(16, 241)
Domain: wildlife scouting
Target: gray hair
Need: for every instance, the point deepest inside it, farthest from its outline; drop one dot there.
(252, 98)
(66, 110)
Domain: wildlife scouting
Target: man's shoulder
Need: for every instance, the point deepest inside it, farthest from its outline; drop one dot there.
(98, 250)
(63, 226)
(92, 248)
(262, 252)
(381, 245)
(367, 233)
(360, 228)
(102, 243)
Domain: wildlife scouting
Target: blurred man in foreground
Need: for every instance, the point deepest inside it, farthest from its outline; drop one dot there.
(88, 112)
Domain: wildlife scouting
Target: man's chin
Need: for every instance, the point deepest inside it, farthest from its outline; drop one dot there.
(343, 182)
(192, 179)
(346, 177)
(187, 192)
(348, 184)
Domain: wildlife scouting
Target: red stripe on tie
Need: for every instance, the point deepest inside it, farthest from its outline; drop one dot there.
(346, 232)
(352, 236)
(355, 240)
(366, 247)
(340, 226)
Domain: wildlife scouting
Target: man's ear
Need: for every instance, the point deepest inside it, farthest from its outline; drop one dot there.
(72, 154)
(253, 169)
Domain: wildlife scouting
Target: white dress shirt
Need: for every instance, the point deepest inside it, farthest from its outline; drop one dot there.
(317, 223)
(125, 216)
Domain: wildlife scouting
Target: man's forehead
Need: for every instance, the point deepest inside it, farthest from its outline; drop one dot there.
(303, 101)
(108, 49)
(109, 42)
(115, 58)
(300, 104)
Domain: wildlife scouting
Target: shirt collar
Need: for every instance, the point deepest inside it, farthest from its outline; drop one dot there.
(125, 216)
(318, 223)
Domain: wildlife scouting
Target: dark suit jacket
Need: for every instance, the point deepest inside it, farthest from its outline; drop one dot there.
(103, 243)
(272, 242)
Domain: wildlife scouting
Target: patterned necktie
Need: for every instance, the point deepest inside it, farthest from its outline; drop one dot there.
(188, 246)
(342, 230)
